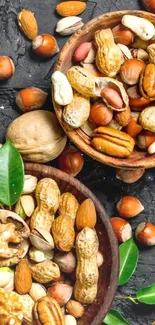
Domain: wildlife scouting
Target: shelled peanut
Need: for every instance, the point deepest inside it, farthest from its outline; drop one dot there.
(113, 73)
(53, 265)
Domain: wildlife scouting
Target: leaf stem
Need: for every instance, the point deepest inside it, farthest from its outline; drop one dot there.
(133, 299)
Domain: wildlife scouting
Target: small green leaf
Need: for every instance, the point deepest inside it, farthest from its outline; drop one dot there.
(11, 174)
(129, 255)
(147, 295)
(115, 318)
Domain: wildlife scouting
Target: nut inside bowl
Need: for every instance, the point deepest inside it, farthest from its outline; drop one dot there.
(108, 272)
(78, 136)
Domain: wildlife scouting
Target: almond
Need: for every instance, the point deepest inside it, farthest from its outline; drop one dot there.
(70, 8)
(86, 215)
(27, 23)
(23, 279)
(123, 117)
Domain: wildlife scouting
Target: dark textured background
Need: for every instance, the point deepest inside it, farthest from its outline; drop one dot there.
(100, 179)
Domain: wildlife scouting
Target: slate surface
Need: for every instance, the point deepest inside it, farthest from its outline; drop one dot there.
(100, 179)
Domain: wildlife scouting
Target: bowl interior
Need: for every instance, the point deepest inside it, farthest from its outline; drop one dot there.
(108, 274)
(86, 33)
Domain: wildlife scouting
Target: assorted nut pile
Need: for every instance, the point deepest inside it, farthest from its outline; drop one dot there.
(109, 92)
(127, 208)
(49, 256)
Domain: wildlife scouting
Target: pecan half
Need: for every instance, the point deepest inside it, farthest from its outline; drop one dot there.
(147, 82)
(113, 142)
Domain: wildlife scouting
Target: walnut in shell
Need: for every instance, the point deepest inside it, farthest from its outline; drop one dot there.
(37, 135)
(13, 230)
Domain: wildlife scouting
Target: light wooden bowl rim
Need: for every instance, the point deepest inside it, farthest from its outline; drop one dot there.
(78, 137)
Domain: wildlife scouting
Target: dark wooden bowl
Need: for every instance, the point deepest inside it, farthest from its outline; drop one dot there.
(137, 159)
(108, 277)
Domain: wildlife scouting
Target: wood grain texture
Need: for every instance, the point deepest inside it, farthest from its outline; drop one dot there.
(108, 275)
(64, 62)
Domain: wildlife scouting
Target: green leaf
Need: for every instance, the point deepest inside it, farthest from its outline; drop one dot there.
(115, 318)
(11, 174)
(147, 295)
(129, 255)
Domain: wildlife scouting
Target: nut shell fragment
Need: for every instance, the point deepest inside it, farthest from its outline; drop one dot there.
(147, 118)
(45, 272)
(77, 112)
(69, 25)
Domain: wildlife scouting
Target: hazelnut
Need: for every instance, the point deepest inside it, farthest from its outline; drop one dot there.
(31, 98)
(7, 68)
(100, 113)
(145, 233)
(130, 175)
(60, 292)
(136, 101)
(121, 228)
(71, 161)
(45, 45)
(140, 43)
(145, 139)
(122, 35)
(130, 71)
(129, 207)
(149, 5)
(75, 308)
(133, 128)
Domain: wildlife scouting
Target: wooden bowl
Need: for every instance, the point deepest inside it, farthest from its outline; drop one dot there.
(138, 158)
(108, 277)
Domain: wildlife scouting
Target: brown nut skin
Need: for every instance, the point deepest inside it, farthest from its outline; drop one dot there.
(30, 98)
(70, 8)
(124, 117)
(7, 68)
(146, 84)
(47, 311)
(130, 71)
(65, 261)
(129, 207)
(28, 23)
(75, 308)
(71, 161)
(149, 5)
(130, 175)
(122, 35)
(100, 113)
(121, 228)
(136, 101)
(45, 45)
(23, 273)
(113, 97)
(112, 142)
(133, 128)
(145, 139)
(86, 215)
(145, 233)
(61, 292)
